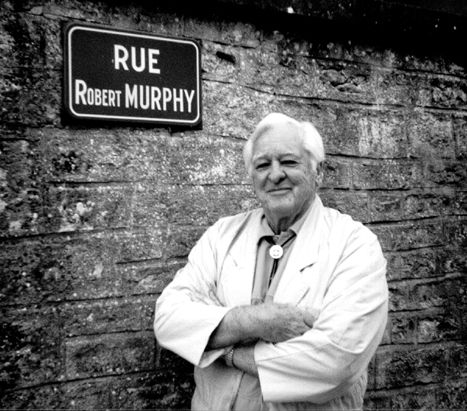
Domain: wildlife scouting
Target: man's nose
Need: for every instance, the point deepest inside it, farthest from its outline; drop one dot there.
(276, 174)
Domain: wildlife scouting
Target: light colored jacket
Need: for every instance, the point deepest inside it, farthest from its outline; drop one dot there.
(336, 269)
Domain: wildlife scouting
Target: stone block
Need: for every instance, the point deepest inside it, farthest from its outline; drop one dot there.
(441, 91)
(432, 364)
(394, 87)
(337, 173)
(249, 105)
(455, 231)
(107, 316)
(30, 40)
(47, 397)
(403, 328)
(88, 394)
(430, 135)
(61, 268)
(221, 62)
(452, 395)
(392, 59)
(181, 240)
(409, 236)
(418, 397)
(21, 197)
(448, 292)
(342, 80)
(367, 133)
(460, 203)
(352, 203)
(376, 400)
(430, 203)
(441, 173)
(124, 156)
(460, 131)
(269, 71)
(423, 294)
(160, 389)
(442, 326)
(109, 354)
(85, 208)
(103, 155)
(398, 297)
(30, 96)
(419, 63)
(170, 361)
(385, 174)
(202, 205)
(147, 277)
(139, 245)
(31, 346)
(385, 206)
(454, 258)
(149, 206)
(205, 160)
(422, 263)
(32, 271)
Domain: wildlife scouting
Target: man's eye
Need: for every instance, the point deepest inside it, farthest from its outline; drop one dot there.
(289, 162)
(261, 166)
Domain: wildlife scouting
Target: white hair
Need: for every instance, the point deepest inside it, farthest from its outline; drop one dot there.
(311, 139)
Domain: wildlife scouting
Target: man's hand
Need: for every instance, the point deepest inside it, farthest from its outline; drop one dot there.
(279, 322)
(269, 322)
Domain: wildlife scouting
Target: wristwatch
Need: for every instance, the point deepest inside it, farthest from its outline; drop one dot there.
(228, 358)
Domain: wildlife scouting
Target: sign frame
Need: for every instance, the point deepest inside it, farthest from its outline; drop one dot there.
(70, 28)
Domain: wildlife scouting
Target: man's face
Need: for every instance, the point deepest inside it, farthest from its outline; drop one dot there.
(283, 177)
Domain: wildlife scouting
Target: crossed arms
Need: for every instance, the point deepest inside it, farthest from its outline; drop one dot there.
(269, 322)
(325, 354)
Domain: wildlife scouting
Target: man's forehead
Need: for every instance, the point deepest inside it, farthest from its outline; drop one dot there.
(284, 139)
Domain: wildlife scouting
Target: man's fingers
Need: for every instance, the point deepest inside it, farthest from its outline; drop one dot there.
(308, 318)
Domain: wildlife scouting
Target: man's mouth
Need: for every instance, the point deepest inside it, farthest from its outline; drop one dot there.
(279, 190)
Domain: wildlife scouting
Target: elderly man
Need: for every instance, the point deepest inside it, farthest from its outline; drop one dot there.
(279, 308)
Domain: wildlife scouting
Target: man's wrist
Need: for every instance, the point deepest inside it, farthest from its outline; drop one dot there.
(244, 318)
(244, 359)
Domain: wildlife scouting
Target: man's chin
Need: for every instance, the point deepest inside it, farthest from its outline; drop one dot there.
(279, 209)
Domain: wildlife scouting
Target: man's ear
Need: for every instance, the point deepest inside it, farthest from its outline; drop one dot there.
(320, 173)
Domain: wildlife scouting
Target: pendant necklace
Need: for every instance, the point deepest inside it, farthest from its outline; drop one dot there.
(276, 251)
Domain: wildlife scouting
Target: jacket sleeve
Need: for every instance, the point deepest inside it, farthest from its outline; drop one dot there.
(188, 311)
(326, 361)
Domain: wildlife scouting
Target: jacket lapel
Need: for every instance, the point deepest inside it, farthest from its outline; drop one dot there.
(293, 285)
(240, 260)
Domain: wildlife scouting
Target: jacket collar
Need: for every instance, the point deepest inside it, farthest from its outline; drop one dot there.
(306, 249)
(306, 246)
(305, 252)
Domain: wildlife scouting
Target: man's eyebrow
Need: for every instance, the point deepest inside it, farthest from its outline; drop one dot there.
(260, 157)
(265, 156)
(289, 155)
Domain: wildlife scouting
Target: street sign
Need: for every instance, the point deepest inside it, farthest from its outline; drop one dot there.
(127, 76)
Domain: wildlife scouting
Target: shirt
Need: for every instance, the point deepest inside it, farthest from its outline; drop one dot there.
(268, 270)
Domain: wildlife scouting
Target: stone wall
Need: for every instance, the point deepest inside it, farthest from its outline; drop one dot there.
(96, 219)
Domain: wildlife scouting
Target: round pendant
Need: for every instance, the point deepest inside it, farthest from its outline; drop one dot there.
(276, 251)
